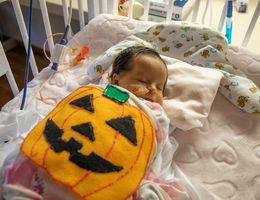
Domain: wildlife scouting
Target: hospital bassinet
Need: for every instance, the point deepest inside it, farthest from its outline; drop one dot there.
(220, 150)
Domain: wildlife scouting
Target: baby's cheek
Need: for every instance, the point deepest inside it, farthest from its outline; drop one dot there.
(159, 98)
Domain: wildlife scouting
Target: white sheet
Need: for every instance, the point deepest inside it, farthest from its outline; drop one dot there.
(223, 155)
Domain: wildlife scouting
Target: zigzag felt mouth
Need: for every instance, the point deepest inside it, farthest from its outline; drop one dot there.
(92, 162)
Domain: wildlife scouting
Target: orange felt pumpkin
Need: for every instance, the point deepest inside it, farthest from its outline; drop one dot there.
(97, 146)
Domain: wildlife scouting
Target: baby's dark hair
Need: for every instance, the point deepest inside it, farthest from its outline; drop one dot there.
(121, 63)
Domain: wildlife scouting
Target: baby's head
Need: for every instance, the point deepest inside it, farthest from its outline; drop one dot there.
(142, 71)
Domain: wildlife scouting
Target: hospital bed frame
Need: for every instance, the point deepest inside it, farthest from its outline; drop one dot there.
(96, 7)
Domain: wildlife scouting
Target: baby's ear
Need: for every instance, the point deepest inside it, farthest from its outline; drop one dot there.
(115, 79)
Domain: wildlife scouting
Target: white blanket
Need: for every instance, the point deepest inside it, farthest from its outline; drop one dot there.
(223, 155)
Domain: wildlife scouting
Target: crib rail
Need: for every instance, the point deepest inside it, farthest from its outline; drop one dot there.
(5, 69)
(95, 7)
(251, 25)
(24, 33)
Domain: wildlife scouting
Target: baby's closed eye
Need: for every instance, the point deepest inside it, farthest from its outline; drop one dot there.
(140, 80)
(159, 88)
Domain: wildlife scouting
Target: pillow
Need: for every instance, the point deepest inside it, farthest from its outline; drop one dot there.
(189, 93)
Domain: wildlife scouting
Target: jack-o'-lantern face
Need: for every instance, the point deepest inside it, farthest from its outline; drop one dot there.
(95, 145)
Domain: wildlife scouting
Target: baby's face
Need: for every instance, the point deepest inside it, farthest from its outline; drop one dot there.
(145, 79)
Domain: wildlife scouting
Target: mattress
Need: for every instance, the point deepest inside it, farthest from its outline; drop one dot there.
(223, 154)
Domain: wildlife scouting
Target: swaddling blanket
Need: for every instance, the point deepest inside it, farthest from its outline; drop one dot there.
(194, 44)
(93, 143)
(58, 158)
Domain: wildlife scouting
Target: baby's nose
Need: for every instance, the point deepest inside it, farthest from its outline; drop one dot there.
(152, 89)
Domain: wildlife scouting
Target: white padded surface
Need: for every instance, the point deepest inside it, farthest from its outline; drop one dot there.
(223, 155)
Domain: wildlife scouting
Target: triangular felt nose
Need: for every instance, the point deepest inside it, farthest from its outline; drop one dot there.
(126, 126)
(85, 102)
(85, 129)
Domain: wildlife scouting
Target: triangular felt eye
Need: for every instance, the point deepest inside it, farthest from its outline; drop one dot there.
(85, 129)
(126, 126)
(85, 102)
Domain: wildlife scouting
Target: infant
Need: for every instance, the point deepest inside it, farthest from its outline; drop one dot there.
(142, 71)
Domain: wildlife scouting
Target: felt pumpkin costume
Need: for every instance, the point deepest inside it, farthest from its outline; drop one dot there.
(94, 142)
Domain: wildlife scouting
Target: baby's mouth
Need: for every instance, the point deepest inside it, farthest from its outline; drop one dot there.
(148, 99)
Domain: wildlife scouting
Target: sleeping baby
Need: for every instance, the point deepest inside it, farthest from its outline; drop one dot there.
(143, 72)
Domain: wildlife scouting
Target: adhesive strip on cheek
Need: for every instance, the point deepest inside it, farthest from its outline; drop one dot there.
(137, 89)
(145, 91)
